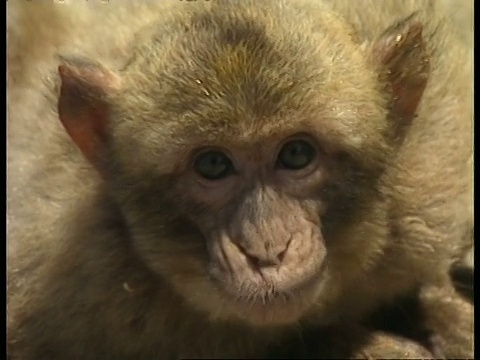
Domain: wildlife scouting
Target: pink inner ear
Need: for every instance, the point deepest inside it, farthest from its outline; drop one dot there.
(401, 54)
(83, 109)
(408, 97)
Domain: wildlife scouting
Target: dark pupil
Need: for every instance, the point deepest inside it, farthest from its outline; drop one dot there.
(296, 155)
(213, 165)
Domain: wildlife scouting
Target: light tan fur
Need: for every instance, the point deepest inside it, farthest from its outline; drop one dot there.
(84, 283)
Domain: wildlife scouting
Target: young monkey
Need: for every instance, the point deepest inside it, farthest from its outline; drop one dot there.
(248, 172)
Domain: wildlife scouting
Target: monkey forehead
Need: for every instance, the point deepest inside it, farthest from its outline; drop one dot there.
(235, 69)
(245, 50)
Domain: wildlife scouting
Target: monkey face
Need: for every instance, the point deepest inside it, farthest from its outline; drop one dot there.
(243, 235)
(237, 207)
(266, 251)
(240, 228)
(239, 170)
(242, 211)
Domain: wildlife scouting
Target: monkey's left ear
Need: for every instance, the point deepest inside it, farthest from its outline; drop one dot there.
(404, 64)
(83, 107)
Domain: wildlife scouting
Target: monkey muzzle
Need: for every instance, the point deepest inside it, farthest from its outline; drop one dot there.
(268, 282)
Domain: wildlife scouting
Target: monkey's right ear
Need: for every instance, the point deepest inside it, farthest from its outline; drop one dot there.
(83, 107)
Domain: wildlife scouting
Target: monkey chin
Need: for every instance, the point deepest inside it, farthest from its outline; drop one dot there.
(264, 308)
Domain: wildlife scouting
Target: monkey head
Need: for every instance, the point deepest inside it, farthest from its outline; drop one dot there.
(241, 163)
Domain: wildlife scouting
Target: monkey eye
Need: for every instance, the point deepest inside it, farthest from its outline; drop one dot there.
(296, 155)
(213, 165)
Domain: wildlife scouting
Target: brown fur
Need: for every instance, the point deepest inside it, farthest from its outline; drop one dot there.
(115, 267)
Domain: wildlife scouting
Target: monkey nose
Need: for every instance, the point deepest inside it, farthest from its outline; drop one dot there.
(269, 257)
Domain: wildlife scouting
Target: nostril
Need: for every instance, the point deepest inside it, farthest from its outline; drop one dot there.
(254, 261)
(281, 255)
(258, 261)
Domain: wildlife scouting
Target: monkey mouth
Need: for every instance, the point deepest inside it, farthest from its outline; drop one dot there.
(263, 304)
(267, 293)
